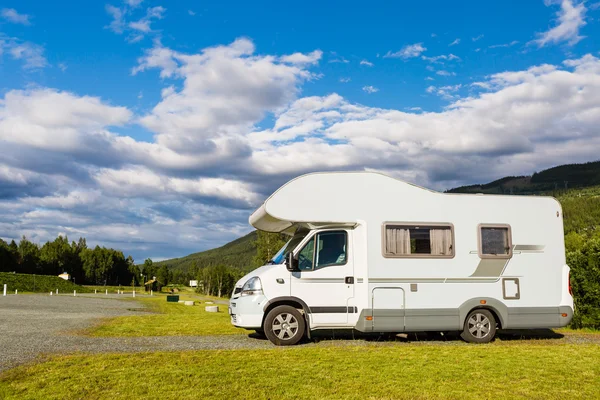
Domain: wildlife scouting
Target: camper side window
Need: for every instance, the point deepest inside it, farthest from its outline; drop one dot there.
(423, 240)
(495, 241)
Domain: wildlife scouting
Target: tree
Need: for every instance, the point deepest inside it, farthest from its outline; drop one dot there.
(8, 258)
(585, 284)
(267, 244)
(164, 275)
(29, 257)
(56, 256)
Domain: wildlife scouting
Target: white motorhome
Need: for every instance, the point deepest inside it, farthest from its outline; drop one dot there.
(375, 254)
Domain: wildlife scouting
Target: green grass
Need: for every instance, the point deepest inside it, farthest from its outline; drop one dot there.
(38, 283)
(524, 369)
(173, 319)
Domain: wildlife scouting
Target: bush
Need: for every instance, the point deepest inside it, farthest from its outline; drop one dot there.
(38, 283)
(585, 284)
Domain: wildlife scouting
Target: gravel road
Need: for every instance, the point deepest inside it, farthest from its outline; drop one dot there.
(31, 325)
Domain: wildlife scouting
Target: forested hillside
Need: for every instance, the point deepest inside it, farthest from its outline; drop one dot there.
(551, 181)
(237, 254)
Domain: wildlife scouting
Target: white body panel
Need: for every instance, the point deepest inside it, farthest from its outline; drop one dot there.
(530, 290)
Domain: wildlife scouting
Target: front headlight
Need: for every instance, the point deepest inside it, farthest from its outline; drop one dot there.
(252, 287)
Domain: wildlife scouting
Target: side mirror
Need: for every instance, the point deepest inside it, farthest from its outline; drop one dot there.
(291, 263)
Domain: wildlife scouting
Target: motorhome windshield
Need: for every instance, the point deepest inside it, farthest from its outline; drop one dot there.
(289, 246)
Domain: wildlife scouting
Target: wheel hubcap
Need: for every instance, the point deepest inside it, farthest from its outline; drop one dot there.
(479, 325)
(285, 326)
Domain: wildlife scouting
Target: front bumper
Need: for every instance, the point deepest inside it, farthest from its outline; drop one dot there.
(247, 311)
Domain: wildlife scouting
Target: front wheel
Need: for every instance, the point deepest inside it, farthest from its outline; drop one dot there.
(284, 326)
(480, 327)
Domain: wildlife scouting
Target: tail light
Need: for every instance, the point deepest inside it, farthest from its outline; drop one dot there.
(570, 291)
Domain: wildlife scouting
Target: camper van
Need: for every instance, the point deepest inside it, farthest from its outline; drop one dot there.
(375, 254)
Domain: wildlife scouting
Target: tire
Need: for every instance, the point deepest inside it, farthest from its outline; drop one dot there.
(480, 327)
(284, 326)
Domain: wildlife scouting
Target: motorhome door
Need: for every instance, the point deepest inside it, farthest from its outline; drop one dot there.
(325, 280)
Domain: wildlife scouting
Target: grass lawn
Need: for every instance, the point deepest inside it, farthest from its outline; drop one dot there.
(173, 319)
(523, 369)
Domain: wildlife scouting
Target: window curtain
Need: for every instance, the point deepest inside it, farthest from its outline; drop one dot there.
(441, 242)
(397, 241)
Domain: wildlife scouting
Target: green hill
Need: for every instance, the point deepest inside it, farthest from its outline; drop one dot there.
(552, 181)
(38, 283)
(237, 254)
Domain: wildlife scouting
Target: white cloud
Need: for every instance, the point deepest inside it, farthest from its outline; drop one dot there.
(12, 15)
(58, 121)
(133, 3)
(476, 38)
(571, 17)
(31, 54)
(455, 42)
(191, 13)
(510, 44)
(345, 80)
(367, 63)
(226, 90)
(370, 89)
(446, 92)
(137, 29)
(408, 51)
(62, 66)
(301, 58)
(117, 24)
(446, 73)
(340, 60)
(441, 58)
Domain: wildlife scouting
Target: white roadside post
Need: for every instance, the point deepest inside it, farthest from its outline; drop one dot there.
(107, 292)
(133, 292)
(56, 291)
(16, 291)
(95, 291)
(5, 289)
(74, 293)
(51, 293)
(151, 292)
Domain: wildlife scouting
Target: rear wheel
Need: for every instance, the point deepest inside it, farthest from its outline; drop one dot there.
(480, 327)
(284, 326)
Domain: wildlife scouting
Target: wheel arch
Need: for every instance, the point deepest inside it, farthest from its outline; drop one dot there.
(287, 301)
(496, 307)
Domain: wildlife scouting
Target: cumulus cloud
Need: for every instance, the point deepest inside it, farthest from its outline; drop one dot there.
(408, 51)
(367, 63)
(455, 42)
(226, 90)
(12, 15)
(570, 19)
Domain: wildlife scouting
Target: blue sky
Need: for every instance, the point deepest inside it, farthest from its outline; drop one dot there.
(157, 127)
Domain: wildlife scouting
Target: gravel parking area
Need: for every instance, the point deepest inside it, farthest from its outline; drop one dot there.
(31, 325)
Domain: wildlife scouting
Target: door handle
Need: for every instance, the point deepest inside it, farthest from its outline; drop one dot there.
(349, 280)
